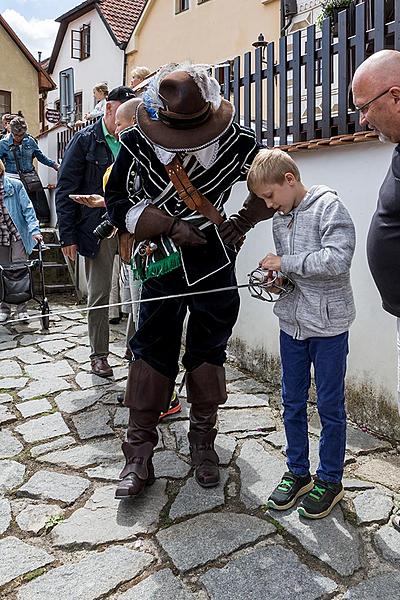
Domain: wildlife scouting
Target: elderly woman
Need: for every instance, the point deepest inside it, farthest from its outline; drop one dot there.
(19, 230)
(17, 150)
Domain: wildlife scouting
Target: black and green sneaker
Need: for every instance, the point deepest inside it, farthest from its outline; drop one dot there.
(288, 490)
(321, 499)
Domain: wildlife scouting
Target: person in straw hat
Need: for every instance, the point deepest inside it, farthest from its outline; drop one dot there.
(183, 126)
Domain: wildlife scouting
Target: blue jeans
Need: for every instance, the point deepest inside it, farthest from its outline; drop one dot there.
(328, 355)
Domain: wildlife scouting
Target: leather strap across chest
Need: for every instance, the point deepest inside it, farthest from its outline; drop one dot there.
(190, 195)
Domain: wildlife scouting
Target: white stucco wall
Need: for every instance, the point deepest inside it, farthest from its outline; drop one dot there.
(356, 172)
(105, 63)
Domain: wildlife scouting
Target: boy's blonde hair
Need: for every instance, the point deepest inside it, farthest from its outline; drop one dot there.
(2, 168)
(269, 167)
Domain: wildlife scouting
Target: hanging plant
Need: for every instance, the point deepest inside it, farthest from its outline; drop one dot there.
(331, 8)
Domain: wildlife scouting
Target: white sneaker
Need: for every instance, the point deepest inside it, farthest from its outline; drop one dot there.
(23, 316)
(3, 317)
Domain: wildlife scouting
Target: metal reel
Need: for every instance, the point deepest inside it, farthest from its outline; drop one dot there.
(269, 289)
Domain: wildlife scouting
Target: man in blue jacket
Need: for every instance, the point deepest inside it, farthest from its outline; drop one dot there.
(90, 152)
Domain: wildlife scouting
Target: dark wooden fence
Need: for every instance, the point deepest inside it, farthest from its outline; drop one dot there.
(300, 89)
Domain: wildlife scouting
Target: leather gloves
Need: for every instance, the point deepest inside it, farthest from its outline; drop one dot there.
(153, 222)
(252, 212)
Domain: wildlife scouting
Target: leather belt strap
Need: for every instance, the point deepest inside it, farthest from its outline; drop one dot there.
(189, 194)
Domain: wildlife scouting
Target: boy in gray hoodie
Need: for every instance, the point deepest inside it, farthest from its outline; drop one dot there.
(315, 240)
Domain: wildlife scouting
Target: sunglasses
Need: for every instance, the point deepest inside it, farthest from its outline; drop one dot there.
(364, 108)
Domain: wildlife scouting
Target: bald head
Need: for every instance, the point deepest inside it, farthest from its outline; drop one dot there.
(381, 70)
(376, 94)
(126, 114)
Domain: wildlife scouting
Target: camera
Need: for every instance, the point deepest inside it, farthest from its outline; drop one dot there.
(104, 230)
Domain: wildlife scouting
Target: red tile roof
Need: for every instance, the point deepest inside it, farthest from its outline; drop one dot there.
(336, 140)
(122, 16)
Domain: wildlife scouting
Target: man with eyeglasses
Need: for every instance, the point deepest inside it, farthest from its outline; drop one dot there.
(376, 95)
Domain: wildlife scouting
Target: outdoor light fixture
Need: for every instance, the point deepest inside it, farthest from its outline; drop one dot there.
(261, 43)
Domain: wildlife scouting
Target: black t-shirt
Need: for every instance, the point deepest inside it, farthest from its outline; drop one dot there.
(383, 242)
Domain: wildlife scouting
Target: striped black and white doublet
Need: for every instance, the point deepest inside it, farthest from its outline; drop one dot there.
(138, 174)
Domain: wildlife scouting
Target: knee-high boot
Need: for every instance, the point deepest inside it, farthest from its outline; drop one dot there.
(148, 392)
(206, 389)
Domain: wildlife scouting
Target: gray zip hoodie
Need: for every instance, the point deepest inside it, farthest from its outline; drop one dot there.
(316, 242)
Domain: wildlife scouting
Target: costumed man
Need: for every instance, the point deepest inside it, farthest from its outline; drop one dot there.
(182, 244)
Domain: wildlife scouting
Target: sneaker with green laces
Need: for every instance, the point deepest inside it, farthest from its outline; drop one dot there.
(319, 502)
(288, 490)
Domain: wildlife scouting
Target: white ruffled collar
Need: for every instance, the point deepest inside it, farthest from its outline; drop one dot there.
(206, 157)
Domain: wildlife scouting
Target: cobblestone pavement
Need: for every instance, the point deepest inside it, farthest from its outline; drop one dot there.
(63, 536)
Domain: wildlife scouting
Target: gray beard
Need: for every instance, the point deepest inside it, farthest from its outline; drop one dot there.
(384, 139)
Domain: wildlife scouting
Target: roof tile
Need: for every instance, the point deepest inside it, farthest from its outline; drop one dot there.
(122, 16)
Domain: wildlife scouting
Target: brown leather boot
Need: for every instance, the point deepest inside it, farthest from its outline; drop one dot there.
(138, 471)
(147, 394)
(206, 388)
(204, 458)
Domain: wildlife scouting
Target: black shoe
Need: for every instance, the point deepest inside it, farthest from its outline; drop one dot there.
(114, 320)
(319, 502)
(288, 490)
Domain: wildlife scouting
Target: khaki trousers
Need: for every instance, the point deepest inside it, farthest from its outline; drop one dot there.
(98, 272)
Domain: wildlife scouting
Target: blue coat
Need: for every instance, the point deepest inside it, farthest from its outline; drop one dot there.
(21, 212)
(26, 152)
(85, 161)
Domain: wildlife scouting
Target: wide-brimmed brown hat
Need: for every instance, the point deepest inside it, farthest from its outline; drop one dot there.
(187, 121)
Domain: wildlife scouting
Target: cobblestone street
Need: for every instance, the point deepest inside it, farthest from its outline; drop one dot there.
(64, 536)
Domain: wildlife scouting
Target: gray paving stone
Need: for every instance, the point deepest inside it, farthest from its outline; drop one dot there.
(88, 380)
(332, 539)
(245, 419)
(5, 515)
(273, 572)
(92, 577)
(387, 539)
(180, 429)
(43, 428)
(80, 354)
(207, 537)
(19, 558)
(36, 338)
(103, 519)
(31, 408)
(43, 388)
(11, 474)
(47, 485)
(9, 368)
(56, 346)
(92, 423)
(29, 356)
(232, 374)
(106, 472)
(277, 439)
(9, 445)
(372, 506)
(384, 471)
(260, 472)
(168, 464)
(193, 499)
(247, 386)
(5, 398)
(34, 517)
(121, 416)
(163, 585)
(245, 401)
(357, 484)
(15, 383)
(376, 588)
(74, 401)
(62, 442)
(85, 455)
(78, 330)
(7, 345)
(120, 373)
(6, 415)
(58, 369)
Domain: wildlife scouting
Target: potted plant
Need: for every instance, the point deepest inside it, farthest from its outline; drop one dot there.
(332, 8)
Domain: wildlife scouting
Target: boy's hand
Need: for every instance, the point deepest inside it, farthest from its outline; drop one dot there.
(271, 262)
